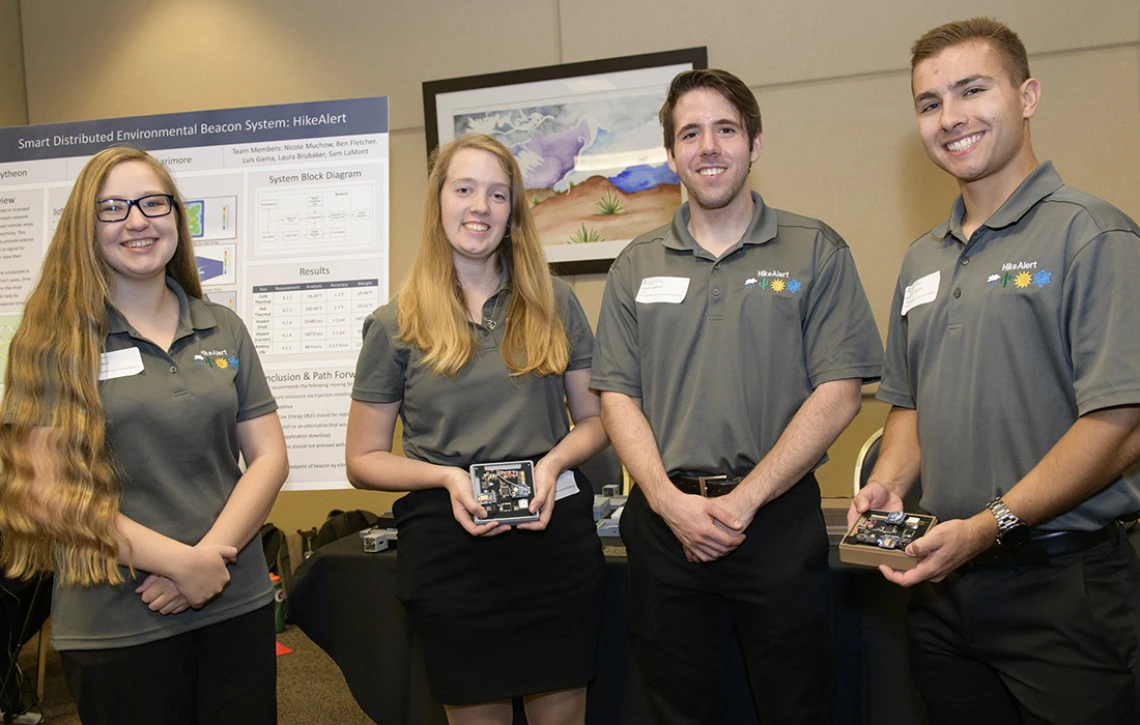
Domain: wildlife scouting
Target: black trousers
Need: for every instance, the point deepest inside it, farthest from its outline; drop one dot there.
(1054, 643)
(222, 674)
(773, 590)
(24, 606)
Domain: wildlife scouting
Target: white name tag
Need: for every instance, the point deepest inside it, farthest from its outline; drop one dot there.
(565, 486)
(663, 289)
(921, 292)
(120, 363)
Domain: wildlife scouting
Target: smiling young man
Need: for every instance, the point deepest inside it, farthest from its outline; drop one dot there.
(732, 345)
(1013, 369)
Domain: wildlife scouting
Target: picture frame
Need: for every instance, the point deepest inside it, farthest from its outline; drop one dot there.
(587, 139)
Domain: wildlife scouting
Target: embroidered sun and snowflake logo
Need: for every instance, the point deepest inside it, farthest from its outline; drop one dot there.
(1020, 276)
(774, 281)
(217, 359)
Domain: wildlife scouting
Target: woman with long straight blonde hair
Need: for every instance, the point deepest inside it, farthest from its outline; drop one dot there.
(480, 355)
(128, 400)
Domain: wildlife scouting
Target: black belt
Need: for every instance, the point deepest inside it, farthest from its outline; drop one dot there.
(707, 486)
(1043, 546)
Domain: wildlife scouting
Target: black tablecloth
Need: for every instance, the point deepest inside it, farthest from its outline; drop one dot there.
(344, 600)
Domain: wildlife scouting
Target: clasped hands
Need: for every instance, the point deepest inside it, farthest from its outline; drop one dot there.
(202, 574)
(708, 528)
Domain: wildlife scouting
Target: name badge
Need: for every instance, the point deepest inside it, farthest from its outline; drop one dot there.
(120, 363)
(671, 290)
(565, 486)
(921, 292)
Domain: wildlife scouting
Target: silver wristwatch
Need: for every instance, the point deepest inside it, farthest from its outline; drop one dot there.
(1012, 531)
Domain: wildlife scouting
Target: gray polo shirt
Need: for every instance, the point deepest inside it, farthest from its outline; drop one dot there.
(724, 352)
(1035, 321)
(483, 414)
(172, 435)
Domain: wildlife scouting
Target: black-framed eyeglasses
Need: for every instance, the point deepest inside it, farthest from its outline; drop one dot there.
(151, 206)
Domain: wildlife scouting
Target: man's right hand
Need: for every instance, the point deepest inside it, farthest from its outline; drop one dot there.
(873, 496)
(707, 531)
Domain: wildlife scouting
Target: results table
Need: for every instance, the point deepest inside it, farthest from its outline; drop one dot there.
(312, 317)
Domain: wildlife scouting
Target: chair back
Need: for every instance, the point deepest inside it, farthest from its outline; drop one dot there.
(865, 461)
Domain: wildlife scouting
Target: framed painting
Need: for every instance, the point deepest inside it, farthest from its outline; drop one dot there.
(588, 141)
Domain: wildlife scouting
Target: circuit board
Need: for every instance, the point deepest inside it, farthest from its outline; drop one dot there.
(889, 530)
(504, 490)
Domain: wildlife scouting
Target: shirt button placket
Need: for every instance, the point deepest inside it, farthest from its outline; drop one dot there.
(960, 277)
(716, 290)
(178, 385)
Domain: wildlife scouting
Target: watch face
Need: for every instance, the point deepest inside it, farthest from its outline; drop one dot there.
(1016, 536)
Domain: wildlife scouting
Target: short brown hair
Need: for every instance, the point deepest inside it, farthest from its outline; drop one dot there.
(732, 88)
(1003, 40)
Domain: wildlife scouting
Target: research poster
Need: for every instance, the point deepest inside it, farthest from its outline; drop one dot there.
(288, 209)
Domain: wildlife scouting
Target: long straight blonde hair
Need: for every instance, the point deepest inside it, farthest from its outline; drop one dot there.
(432, 310)
(50, 381)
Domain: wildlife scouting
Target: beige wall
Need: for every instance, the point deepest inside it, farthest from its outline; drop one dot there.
(13, 101)
(832, 80)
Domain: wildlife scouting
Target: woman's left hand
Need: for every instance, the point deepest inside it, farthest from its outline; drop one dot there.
(162, 595)
(545, 485)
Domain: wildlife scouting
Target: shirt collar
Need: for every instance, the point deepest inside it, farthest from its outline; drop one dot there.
(1042, 182)
(504, 278)
(761, 229)
(498, 310)
(193, 314)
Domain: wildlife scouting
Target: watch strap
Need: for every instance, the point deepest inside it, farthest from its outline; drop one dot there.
(1007, 520)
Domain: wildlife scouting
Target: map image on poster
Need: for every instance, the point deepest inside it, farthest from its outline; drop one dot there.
(214, 218)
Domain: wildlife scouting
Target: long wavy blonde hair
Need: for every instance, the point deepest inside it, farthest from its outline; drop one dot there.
(50, 381)
(432, 310)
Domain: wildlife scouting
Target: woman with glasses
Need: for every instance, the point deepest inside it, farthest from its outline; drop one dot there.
(128, 401)
(480, 355)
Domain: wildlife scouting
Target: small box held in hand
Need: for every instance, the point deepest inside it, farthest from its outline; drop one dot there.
(881, 537)
(504, 490)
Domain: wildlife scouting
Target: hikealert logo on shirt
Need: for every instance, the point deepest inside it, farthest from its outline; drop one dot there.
(1019, 276)
(774, 280)
(217, 359)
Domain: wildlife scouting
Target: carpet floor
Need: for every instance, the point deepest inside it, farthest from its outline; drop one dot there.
(310, 687)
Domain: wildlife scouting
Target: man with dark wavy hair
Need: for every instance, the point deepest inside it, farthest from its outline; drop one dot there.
(1013, 371)
(732, 345)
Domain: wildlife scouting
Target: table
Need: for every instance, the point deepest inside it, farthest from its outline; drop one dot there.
(344, 600)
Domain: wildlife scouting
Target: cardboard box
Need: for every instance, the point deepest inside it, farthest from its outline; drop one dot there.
(602, 507)
(835, 517)
(881, 537)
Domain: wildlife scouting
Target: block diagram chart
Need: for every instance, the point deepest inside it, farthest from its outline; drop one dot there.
(312, 317)
(300, 219)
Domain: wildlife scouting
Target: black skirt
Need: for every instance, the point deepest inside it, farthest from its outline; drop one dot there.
(510, 615)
